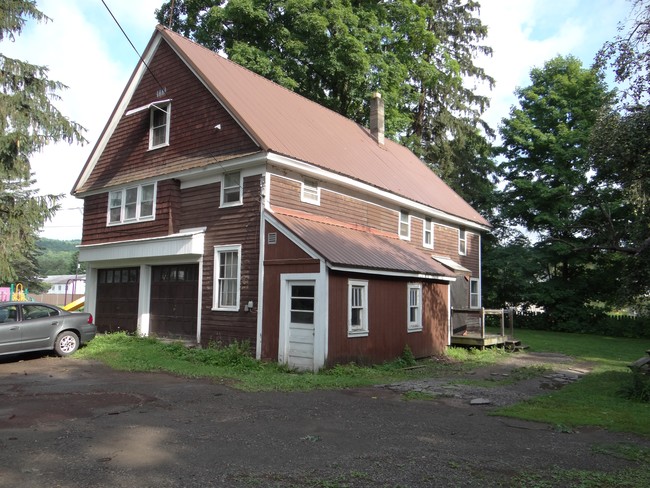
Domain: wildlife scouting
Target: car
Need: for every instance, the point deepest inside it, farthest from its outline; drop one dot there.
(35, 326)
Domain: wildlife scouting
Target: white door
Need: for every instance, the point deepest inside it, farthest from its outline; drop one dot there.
(297, 342)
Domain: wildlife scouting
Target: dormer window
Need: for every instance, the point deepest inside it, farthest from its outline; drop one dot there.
(310, 192)
(133, 204)
(231, 189)
(159, 125)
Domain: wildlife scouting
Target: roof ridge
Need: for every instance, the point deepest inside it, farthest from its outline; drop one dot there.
(267, 80)
(331, 221)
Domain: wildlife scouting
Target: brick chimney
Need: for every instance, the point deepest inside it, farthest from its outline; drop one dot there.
(377, 118)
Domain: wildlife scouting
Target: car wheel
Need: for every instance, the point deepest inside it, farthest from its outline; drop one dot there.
(66, 343)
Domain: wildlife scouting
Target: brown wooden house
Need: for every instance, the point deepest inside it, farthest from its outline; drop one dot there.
(220, 206)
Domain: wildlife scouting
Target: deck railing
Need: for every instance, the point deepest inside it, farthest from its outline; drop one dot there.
(480, 313)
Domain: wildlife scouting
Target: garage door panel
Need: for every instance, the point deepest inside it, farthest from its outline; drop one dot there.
(174, 301)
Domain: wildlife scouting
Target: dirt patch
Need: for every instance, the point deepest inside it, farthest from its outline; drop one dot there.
(73, 424)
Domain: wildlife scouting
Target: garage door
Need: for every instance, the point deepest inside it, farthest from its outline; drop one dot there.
(174, 301)
(117, 299)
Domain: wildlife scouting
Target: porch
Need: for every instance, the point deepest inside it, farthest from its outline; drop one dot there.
(469, 328)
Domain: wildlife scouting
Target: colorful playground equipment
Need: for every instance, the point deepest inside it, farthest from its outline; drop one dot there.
(15, 292)
(76, 305)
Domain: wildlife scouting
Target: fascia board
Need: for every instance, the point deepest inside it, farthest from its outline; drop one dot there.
(381, 272)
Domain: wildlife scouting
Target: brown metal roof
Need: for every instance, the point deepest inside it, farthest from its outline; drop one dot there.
(349, 246)
(288, 124)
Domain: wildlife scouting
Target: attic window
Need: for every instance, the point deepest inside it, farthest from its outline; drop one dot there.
(310, 192)
(159, 125)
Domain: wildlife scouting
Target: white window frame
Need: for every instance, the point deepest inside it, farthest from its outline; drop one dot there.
(138, 205)
(404, 225)
(462, 242)
(414, 325)
(362, 329)
(224, 190)
(167, 109)
(216, 288)
(427, 229)
(474, 296)
(310, 191)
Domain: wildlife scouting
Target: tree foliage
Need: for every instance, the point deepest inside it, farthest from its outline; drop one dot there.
(418, 54)
(28, 121)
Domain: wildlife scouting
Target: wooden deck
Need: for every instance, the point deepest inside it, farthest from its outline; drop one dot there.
(475, 340)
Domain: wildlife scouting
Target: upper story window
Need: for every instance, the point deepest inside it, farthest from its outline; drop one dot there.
(159, 125)
(474, 293)
(414, 307)
(427, 233)
(231, 189)
(462, 242)
(133, 204)
(357, 308)
(404, 225)
(310, 192)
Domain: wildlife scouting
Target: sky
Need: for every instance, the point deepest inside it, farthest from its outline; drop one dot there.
(85, 50)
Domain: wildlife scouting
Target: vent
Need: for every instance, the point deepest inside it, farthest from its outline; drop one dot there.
(272, 238)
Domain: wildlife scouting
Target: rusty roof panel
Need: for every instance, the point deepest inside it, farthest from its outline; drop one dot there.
(343, 245)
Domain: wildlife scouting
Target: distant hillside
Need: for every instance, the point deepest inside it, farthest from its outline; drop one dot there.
(58, 257)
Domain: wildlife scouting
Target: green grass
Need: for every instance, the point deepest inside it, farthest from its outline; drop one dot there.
(595, 400)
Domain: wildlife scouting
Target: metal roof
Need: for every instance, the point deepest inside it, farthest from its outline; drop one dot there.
(285, 123)
(351, 246)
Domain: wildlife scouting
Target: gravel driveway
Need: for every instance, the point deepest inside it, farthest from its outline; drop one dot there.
(75, 423)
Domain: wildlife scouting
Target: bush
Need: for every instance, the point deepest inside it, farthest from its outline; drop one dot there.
(638, 388)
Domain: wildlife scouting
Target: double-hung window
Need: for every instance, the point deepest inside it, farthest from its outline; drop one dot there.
(474, 293)
(414, 307)
(427, 234)
(226, 277)
(310, 192)
(357, 308)
(462, 242)
(159, 125)
(133, 204)
(231, 189)
(404, 225)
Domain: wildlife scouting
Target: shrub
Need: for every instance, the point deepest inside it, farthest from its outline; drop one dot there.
(638, 387)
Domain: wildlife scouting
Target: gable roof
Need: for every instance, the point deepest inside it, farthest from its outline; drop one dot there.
(285, 123)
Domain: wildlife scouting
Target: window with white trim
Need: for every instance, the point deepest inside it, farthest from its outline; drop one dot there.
(414, 307)
(474, 293)
(227, 271)
(462, 242)
(357, 308)
(231, 189)
(404, 225)
(310, 191)
(427, 233)
(159, 125)
(134, 204)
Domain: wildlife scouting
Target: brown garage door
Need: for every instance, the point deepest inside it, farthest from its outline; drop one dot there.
(117, 299)
(174, 301)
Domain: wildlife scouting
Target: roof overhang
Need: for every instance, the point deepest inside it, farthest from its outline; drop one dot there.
(184, 246)
(451, 264)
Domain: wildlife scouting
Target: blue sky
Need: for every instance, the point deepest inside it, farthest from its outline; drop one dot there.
(85, 50)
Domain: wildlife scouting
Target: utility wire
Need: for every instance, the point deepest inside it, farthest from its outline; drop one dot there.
(136, 51)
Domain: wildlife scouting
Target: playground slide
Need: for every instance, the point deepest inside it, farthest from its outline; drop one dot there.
(76, 305)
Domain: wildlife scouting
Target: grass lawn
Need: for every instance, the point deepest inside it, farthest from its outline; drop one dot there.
(595, 400)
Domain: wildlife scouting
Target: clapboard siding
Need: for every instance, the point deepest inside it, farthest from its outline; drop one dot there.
(193, 140)
(96, 230)
(387, 321)
(225, 226)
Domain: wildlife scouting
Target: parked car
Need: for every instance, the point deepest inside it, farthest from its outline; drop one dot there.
(34, 326)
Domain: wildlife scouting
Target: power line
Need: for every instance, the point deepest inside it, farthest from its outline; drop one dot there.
(136, 51)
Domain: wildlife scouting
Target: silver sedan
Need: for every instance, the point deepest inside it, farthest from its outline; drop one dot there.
(34, 326)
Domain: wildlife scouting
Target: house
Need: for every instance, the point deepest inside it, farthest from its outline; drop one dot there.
(66, 284)
(219, 206)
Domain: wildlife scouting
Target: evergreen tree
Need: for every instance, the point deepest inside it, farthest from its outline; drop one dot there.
(28, 121)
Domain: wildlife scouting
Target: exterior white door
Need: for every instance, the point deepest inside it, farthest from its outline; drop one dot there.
(297, 343)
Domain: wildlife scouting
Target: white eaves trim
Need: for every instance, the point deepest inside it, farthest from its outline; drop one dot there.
(308, 169)
(189, 243)
(381, 272)
(147, 107)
